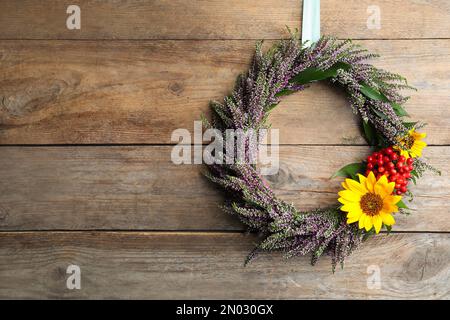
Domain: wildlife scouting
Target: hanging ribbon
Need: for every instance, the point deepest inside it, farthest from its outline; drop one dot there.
(311, 21)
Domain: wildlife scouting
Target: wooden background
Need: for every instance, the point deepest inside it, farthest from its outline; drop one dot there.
(85, 171)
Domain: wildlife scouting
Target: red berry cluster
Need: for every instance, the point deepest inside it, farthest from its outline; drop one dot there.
(389, 163)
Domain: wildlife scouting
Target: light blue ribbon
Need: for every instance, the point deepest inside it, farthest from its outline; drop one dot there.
(311, 21)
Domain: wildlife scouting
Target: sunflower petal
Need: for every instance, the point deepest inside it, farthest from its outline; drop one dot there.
(352, 208)
(344, 185)
(344, 202)
(415, 150)
(370, 181)
(362, 179)
(355, 213)
(392, 199)
(419, 136)
(368, 224)
(377, 222)
(404, 153)
(418, 147)
(383, 188)
(389, 208)
(362, 221)
(420, 143)
(390, 188)
(351, 220)
(388, 219)
(349, 195)
(356, 186)
(383, 180)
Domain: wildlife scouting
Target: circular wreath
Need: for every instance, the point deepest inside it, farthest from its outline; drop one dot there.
(373, 190)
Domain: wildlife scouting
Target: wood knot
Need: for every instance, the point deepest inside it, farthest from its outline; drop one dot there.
(19, 97)
(282, 178)
(176, 88)
(3, 214)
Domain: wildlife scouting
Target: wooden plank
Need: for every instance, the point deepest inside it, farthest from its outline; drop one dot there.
(210, 265)
(161, 19)
(214, 19)
(88, 92)
(400, 19)
(79, 188)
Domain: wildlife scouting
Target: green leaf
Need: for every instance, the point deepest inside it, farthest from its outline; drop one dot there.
(399, 110)
(314, 74)
(349, 171)
(284, 92)
(388, 228)
(372, 93)
(410, 125)
(369, 132)
(271, 107)
(402, 205)
(380, 114)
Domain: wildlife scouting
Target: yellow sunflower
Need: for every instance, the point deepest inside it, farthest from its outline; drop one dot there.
(412, 144)
(369, 201)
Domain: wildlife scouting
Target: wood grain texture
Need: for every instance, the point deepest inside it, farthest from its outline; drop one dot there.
(79, 188)
(215, 19)
(160, 19)
(210, 265)
(88, 92)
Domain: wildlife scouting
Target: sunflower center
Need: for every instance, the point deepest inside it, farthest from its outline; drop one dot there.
(408, 142)
(371, 204)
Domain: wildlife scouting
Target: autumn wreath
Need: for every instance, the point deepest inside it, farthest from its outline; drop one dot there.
(374, 188)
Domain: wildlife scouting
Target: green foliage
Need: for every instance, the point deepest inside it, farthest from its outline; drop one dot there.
(399, 110)
(402, 205)
(315, 74)
(284, 92)
(350, 171)
(374, 94)
(410, 125)
(369, 133)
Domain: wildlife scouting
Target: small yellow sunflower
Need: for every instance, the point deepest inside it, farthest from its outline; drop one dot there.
(369, 201)
(412, 144)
